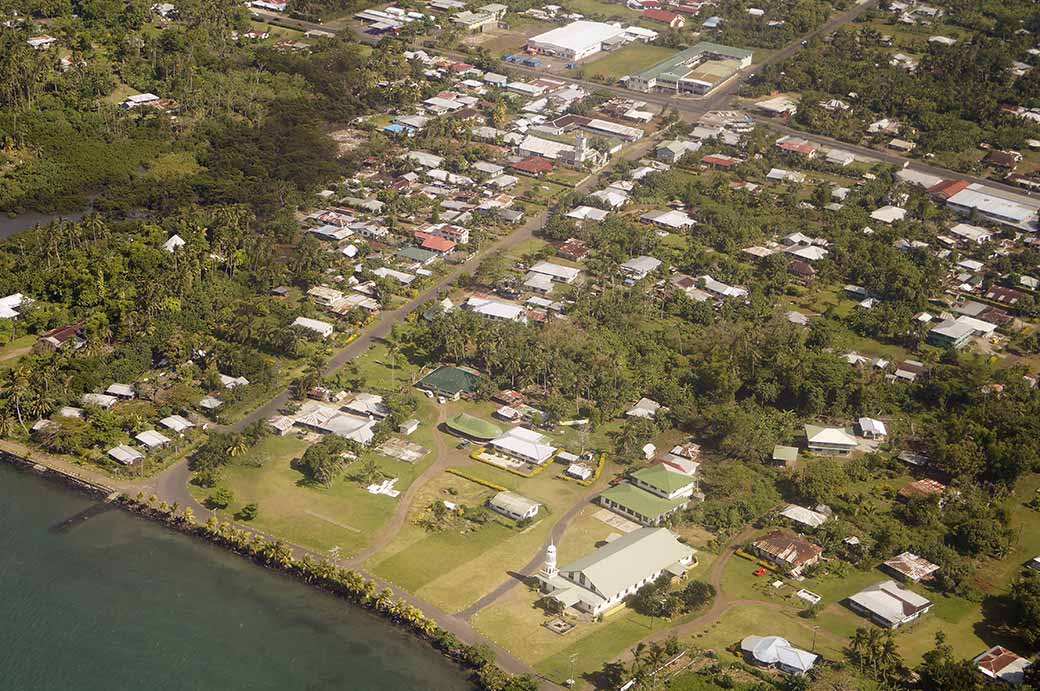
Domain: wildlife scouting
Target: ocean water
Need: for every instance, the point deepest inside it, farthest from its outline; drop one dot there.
(116, 602)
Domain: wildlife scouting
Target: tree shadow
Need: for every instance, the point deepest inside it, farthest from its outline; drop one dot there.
(995, 629)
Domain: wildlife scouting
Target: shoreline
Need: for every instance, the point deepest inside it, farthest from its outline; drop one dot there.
(272, 553)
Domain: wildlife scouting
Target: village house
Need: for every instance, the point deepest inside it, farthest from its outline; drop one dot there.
(910, 567)
(524, 445)
(664, 481)
(602, 580)
(889, 604)
(777, 652)
(1000, 664)
(829, 440)
(513, 505)
(490, 308)
(61, 337)
(807, 518)
(638, 268)
(921, 489)
(323, 329)
(786, 550)
(797, 145)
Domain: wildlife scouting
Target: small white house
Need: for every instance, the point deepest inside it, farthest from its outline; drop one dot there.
(513, 505)
(323, 329)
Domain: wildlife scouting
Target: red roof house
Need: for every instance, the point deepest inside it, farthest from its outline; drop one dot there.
(673, 20)
(535, 165)
(434, 243)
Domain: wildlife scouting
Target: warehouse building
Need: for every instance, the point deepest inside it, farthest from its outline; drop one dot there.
(575, 41)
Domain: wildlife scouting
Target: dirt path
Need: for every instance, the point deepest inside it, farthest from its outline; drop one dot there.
(389, 531)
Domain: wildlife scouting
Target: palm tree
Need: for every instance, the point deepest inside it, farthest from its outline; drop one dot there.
(238, 446)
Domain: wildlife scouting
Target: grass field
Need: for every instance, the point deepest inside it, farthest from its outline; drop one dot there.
(342, 516)
(633, 58)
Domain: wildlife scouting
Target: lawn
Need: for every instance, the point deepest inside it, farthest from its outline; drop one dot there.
(739, 622)
(633, 58)
(342, 516)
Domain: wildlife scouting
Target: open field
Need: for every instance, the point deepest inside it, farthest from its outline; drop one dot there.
(342, 516)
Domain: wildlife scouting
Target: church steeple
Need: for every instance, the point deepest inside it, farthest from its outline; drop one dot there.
(549, 568)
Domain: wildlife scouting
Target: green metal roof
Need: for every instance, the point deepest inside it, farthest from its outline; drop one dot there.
(642, 502)
(473, 426)
(787, 454)
(660, 478)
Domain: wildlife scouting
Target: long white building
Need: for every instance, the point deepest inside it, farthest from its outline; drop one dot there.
(575, 41)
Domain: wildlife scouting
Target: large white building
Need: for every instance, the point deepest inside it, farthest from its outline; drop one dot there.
(575, 41)
(602, 580)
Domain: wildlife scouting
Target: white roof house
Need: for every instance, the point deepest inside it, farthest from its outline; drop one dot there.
(524, 444)
(323, 329)
(124, 454)
(613, 198)
(670, 219)
(721, 289)
(538, 282)
(804, 516)
(888, 214)
(229, 382)
(557, 272)
(640, 267)
(588, 213)
(890, 604)
(152, 439)
(829, 439)
(644, 408)
(496, 309)
(177, 423)
(576, 40)
(546, 148)
(173, 243)
(99, 399)
(9, 305)
(775, 651)
(513, 505)
(872, 428)
(971, 233)
(121, 391)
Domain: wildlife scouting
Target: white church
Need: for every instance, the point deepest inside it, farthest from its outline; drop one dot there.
(603, 579)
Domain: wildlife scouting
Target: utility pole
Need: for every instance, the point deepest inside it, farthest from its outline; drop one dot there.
(814, 630)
